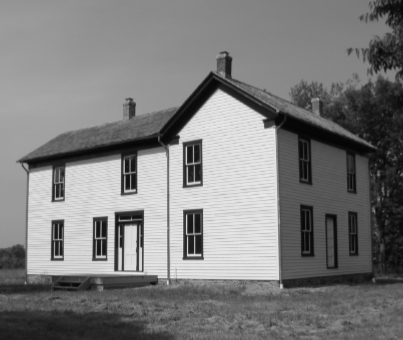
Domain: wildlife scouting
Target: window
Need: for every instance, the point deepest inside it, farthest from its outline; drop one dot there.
(304, 151)
(306, 231)
(193, 234)
(353, 233)
(351, 179)
(331, 242)
(100, 238)
(58, 183)
(129, 174)
(192, 164)
(57, 240)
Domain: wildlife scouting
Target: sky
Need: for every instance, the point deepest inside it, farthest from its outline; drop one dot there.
(66, 65)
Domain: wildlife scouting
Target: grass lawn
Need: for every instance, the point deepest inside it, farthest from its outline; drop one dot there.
(195, 310)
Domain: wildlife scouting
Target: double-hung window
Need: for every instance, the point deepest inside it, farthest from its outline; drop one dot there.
(304, 153)
(58, 181)
(353, 233)
(351, 178)
(100, 244)
(193, 234)
(306, 231)
(192, 164)
(57, 240)
(129, 174)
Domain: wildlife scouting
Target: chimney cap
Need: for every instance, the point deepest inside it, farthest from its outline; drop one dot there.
(129, 99)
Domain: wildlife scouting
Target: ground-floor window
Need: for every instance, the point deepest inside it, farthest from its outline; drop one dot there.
(306, 231)
(193, 234)
(353, 233)
(57, 240)
(100, 239)
(331, 241)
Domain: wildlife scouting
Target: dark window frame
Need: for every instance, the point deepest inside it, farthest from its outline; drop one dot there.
(185, 245)
(303, 138)
(94, 256)
(54, 199)
(353, 176)
(52, 241)
(122, 174)
(355, 253)
(311, 235)
(185, 145)
(335, 244)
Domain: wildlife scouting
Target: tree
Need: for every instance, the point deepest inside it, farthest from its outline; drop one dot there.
(13, 257)
(375, 113)
(384, 53)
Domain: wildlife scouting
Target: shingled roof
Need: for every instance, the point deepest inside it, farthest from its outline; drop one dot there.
(110, 134)
(296, 112)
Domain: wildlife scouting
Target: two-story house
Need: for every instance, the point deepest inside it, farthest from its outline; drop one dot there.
(236, 183)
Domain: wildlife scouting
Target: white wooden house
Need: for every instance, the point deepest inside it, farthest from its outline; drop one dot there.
(234, 184)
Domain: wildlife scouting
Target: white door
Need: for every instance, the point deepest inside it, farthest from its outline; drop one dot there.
(330, 242)
(130, 237)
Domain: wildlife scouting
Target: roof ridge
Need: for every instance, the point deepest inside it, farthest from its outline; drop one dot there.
(118, 121)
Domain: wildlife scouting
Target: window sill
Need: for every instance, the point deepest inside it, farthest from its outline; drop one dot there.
(129, 193)
(94, 259)
(307, 255)
(352, 192)
(353, 254)
(332, 268)
(305, 182)
(53, 259)
(53, 200)
(192, 185)
(193, 258)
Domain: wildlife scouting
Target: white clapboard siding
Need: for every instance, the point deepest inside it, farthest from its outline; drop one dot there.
(238, 196)
(93, 189)
(328, 195)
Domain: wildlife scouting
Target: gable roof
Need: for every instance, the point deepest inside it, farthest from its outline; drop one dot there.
(110, 134)
(276, 105)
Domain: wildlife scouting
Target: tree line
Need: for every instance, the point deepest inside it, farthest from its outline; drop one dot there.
(12, 257)
(374, 112)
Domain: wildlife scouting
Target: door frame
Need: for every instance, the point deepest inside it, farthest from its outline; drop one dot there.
(140, 215)
(336, 261)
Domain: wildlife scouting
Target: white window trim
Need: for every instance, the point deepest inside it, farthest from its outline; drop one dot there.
(306, 158)
(194, 234)
(104, 224)
(59, 184)
(193, 164)
(129, 173)
(58, 240)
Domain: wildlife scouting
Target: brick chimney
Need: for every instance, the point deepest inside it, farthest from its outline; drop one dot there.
(129, 109)
(224, 64)
(317, 106)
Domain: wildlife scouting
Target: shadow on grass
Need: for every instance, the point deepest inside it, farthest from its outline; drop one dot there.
(69, 325)
(22, 288)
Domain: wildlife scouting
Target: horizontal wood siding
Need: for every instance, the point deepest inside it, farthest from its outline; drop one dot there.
(93, 189)
(238, 196)
(328, 195)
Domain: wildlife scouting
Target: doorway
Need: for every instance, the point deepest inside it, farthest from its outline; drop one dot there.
(129, 242)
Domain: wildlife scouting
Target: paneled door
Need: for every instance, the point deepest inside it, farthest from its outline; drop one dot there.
(130, 246)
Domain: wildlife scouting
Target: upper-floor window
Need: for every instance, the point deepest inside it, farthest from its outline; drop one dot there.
(304, 153)
(193, 234)
(57, 240)
(129, 174)
(353, 233)
(351, 178)
(192, 164)
(100, 238)
(58, 181)
(307, 231)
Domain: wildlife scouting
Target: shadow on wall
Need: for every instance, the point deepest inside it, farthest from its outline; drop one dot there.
(69, 325)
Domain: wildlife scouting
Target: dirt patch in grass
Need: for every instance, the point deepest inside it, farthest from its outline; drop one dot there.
(206, 310)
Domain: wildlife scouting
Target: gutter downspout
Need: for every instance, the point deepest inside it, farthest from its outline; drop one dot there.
(26, 226)
(166, 147)
(278, 207)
